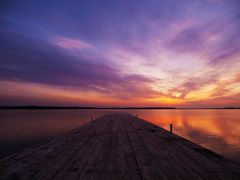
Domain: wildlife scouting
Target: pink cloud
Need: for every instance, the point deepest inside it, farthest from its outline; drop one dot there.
(70, 43)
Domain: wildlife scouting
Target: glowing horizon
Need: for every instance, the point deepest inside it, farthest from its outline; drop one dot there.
(127, 53)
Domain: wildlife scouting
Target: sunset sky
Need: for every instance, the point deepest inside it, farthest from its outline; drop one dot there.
(181, 53)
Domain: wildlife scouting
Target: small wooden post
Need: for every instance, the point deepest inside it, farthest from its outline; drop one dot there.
(91, 118)
(170, 128)
(136, 115)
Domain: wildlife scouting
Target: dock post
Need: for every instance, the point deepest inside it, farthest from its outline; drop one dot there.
(170, 128)
(136, 115)
(91, 118)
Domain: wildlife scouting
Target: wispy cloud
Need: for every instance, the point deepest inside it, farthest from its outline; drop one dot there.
(70, 43)
(125, 51)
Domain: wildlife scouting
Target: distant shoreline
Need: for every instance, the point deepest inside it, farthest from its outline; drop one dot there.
(79, 107)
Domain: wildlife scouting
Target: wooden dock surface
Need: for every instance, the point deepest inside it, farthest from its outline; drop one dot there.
(118, 147)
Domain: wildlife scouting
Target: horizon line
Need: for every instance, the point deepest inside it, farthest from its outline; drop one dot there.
(113, 107)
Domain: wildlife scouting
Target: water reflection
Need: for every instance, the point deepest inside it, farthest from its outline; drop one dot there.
(218, 130)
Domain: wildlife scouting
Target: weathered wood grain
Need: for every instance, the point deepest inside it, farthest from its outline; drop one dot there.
(118, 147)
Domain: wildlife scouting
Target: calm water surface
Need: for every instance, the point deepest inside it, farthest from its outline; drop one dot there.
(218, 130)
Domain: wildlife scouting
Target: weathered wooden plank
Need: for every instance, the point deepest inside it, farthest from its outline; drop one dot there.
(165, 157)
(118, 146)
(127, 167)
(82, 149)
(150, 169)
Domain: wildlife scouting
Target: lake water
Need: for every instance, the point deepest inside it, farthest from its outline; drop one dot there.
(218, 130)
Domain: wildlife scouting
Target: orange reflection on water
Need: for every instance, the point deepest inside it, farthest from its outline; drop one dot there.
(218, 130)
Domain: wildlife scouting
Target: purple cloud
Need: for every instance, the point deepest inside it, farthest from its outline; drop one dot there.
(145, 49)
(50, 65)
(190, 39)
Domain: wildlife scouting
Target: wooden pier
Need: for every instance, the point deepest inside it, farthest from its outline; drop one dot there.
(118, 147)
